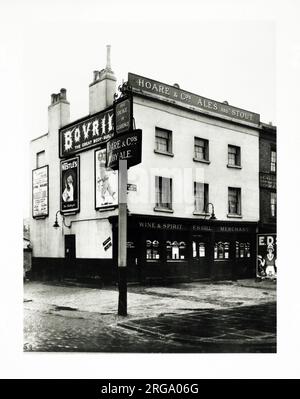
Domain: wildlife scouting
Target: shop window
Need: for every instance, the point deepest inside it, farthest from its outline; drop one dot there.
(198, 250)
(242, 249)
(201, 197)
(201, 149)
(273, 199)
(234, 155)
(176, 250)
(234, 201)
(163, 192)
(273, 161)
(152, 250)
(163, 140)
(40, 159)
(221, 250)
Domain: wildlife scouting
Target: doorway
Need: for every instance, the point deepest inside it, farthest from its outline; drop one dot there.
(70, 256)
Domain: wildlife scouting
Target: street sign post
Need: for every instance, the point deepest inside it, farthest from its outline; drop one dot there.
(123, 151)
(123, 115)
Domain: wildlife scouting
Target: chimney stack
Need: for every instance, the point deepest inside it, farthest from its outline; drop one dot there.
(102, 89)
(58, 111)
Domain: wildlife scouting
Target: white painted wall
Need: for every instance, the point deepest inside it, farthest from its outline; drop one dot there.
(184, 171)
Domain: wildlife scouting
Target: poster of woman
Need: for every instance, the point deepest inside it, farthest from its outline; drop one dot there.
(106, 182)
(70, 185)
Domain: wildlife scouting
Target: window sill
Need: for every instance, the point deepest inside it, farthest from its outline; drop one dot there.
(234, 216)
(157, 209)
(234, 166)
(169, 154)
(176, 260)
(201, 160)
(201, 213)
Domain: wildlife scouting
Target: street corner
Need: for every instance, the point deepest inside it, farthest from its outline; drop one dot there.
(244, 329)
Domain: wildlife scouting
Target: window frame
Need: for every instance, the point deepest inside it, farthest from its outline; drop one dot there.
(237, 156)
(40, 165)
(273, 163)
(238, 191)
(205, 147)
(205, 197)
(274, 194)
(169, 141)
(159, 204)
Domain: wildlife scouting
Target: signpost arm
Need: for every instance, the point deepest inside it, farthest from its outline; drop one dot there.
(122, 238)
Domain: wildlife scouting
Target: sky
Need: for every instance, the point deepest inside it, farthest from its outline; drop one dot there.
(245, 52)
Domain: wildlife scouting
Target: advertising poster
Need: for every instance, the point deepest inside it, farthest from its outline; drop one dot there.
(69, 185)
(106, 182)
(40, 192)
(266, 256)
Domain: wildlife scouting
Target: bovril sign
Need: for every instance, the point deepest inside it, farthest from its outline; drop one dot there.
(86, 133)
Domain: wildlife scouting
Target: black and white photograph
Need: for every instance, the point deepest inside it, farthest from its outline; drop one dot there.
(151, 150)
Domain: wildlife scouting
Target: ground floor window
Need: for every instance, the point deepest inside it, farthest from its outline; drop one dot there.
(242, 249)
(198, 250)
(176, 250)
(221, 250)
(152, 250)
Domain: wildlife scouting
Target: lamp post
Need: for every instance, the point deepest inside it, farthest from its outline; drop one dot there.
(56, 225)
(213, 216)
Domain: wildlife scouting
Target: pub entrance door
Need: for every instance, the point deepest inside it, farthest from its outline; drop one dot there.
(70, 256)
(200, 257)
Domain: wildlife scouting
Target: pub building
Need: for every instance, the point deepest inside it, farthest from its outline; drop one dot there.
(193, 200)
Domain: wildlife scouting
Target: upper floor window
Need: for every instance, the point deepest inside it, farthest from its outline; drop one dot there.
(273, 200)
(163, 140)
(234, 155)
(201, 197)
(40, 159)
(163, 192)
(234, 201)
(201, 149)
(273, 161)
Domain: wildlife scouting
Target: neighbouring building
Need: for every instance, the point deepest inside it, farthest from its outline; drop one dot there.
(193, 201)
(267, 179)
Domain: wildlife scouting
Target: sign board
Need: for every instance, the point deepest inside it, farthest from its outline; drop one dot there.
(123, 115)
(69, 185)
(106, 182)
(126, 147)
(175, 95)
(86, 133)
(40, 192)
(131, 187)
(267, 180)
(266, 265)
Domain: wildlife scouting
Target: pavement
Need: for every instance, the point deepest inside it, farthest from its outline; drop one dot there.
(192, 317)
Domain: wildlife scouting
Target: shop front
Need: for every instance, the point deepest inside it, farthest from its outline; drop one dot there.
(165, 249)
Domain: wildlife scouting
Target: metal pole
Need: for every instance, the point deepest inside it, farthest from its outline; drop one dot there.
(122, 238)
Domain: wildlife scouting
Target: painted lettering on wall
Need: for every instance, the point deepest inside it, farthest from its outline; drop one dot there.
(181, 97)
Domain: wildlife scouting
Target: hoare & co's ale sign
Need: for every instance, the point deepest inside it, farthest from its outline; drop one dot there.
(172, 94)
(86, 133)
(127, 147)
